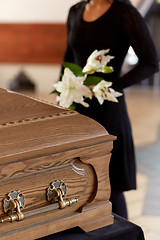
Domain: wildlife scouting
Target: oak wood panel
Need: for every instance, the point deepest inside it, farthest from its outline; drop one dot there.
(44, 125)
(48, 226)
(23, 182)
(33, 176)
(34, 187)
(32, 43)
(40, 144)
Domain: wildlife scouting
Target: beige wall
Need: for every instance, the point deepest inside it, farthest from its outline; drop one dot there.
(135, 2)
(34, 10)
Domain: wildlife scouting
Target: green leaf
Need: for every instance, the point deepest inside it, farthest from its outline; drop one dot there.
(76, 69)
(72, 106)
(92, 80)
(106, 69)
(55, 91)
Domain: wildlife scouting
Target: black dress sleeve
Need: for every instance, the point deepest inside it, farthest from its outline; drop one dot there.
(68, 55)
(139, 38)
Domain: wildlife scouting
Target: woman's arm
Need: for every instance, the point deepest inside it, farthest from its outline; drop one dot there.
(141, 41)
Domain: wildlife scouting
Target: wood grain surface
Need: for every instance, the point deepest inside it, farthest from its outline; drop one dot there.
(39, 144)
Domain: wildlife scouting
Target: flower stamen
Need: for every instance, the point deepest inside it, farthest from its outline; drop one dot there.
(99, 58)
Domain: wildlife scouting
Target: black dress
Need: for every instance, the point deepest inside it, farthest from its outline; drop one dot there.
(120, 27)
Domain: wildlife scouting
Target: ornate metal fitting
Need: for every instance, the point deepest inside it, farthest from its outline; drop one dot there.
(57, 189)
(12, 206)
(56, 192)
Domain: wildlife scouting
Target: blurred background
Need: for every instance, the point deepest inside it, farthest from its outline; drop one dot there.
(32, 44)
(33, 37)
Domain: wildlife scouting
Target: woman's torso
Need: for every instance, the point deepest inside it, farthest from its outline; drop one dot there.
(105, 32)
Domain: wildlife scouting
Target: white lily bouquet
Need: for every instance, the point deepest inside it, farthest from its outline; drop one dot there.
(75, 85)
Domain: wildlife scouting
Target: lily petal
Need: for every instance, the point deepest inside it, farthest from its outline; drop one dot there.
(102, 91)
(96, 61)
(71, 89)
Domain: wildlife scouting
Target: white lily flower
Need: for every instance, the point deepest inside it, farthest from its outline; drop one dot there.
(71, 89)
(102, 91)
(96, 61)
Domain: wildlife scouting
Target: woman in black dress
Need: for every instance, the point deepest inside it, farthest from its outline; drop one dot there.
(117, 25)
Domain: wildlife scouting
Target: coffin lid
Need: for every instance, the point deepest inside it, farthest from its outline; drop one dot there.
(31, 127)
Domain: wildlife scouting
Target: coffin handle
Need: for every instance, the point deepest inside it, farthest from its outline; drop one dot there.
(14, 201)
(56, 192)
(12, 206)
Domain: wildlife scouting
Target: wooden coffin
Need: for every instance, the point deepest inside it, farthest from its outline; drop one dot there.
(53, 169)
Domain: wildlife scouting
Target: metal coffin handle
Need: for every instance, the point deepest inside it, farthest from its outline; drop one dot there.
(56, 192)
(14, 202)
